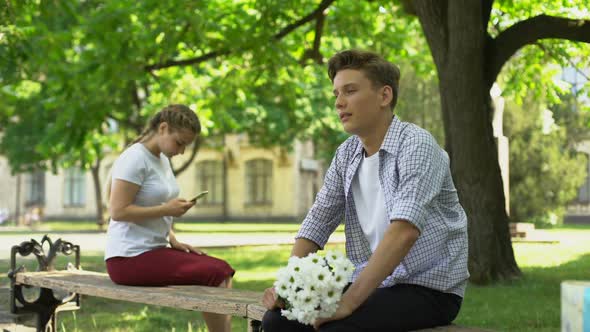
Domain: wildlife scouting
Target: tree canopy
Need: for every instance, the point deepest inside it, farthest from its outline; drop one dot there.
(74, 70)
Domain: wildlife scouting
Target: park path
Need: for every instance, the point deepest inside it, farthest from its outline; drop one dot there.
(93, 242)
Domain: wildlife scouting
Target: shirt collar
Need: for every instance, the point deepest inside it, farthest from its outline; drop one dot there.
(394, 130)
(393, 133)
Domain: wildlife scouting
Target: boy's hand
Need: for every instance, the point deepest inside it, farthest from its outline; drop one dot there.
(270, 299)
(343, 311)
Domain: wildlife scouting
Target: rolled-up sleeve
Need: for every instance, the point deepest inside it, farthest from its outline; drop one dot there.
(423, 166)
(327, 211)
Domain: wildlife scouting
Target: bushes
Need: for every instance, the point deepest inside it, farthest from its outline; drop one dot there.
(545, 170)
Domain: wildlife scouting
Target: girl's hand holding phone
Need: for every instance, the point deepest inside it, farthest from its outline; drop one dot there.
(177, 207)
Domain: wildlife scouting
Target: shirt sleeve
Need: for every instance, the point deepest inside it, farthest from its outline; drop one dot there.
(327, 211)
(422, 167)
(129, 167)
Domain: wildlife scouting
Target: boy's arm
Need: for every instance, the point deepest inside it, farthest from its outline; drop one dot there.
(304, 247)
(395, 245)
(322, 219)
(328, 208)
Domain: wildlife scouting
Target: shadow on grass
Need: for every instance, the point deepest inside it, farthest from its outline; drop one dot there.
(531, 303)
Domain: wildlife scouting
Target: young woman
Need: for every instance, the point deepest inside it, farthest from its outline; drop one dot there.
(144, 200)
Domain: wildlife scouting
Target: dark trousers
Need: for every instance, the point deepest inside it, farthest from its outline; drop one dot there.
(395, 309)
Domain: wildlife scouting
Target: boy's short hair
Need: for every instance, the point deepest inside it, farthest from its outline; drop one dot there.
(378, 70)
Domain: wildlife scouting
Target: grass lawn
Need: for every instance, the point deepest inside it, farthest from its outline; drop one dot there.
(182, 226)
(531, 303)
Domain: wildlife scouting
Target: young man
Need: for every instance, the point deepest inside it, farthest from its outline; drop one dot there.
(406, 231)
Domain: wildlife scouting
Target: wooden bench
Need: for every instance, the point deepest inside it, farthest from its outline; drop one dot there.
(521, 230)
(76, 282)
(233, 302)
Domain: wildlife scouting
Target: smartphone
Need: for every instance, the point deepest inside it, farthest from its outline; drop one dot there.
(201, 194)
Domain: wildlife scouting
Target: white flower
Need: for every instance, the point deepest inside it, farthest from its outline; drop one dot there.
(321, 277)
(331, 295)
(340, 278)
(333, 256)
(312, 286)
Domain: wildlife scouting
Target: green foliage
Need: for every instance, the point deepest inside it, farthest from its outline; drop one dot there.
(507, 12)
(545, 170)
(419, 101)
(573, 113)
(96, 61)
(535, 69)
(70, 69)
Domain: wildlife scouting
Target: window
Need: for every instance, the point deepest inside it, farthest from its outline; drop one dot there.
(210, 177)
(259, 181)
(75, 187)
(35, 188)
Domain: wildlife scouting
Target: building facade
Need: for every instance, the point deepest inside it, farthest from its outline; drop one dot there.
(244, 183)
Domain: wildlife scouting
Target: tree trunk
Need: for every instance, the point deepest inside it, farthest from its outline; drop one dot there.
(457, 40)
(475, 168)
(95, 169)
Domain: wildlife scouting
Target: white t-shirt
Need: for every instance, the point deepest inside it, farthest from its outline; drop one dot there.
(369, 201)
(157, 185)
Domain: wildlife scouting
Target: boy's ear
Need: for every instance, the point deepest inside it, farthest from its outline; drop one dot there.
(386, 95)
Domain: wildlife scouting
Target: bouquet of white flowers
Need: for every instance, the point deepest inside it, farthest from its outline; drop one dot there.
(311, 287)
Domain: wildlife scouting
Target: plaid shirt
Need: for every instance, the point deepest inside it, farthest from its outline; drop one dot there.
(416, 181)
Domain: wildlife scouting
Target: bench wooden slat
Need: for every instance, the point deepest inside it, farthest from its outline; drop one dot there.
(197, 298)
(256, 311)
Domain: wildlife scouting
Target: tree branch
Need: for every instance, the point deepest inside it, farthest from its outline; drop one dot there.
(529, 31)
(187, 62)
(317, 42)
(314, 53)
(214, 54)
(135, 95)
(146, 89)
(291, 27)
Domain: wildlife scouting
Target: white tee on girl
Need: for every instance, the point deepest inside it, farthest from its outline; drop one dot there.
(369, 201)
(157, 185)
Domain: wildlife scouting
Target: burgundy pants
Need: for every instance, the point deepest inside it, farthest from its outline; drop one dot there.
(166, 266)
